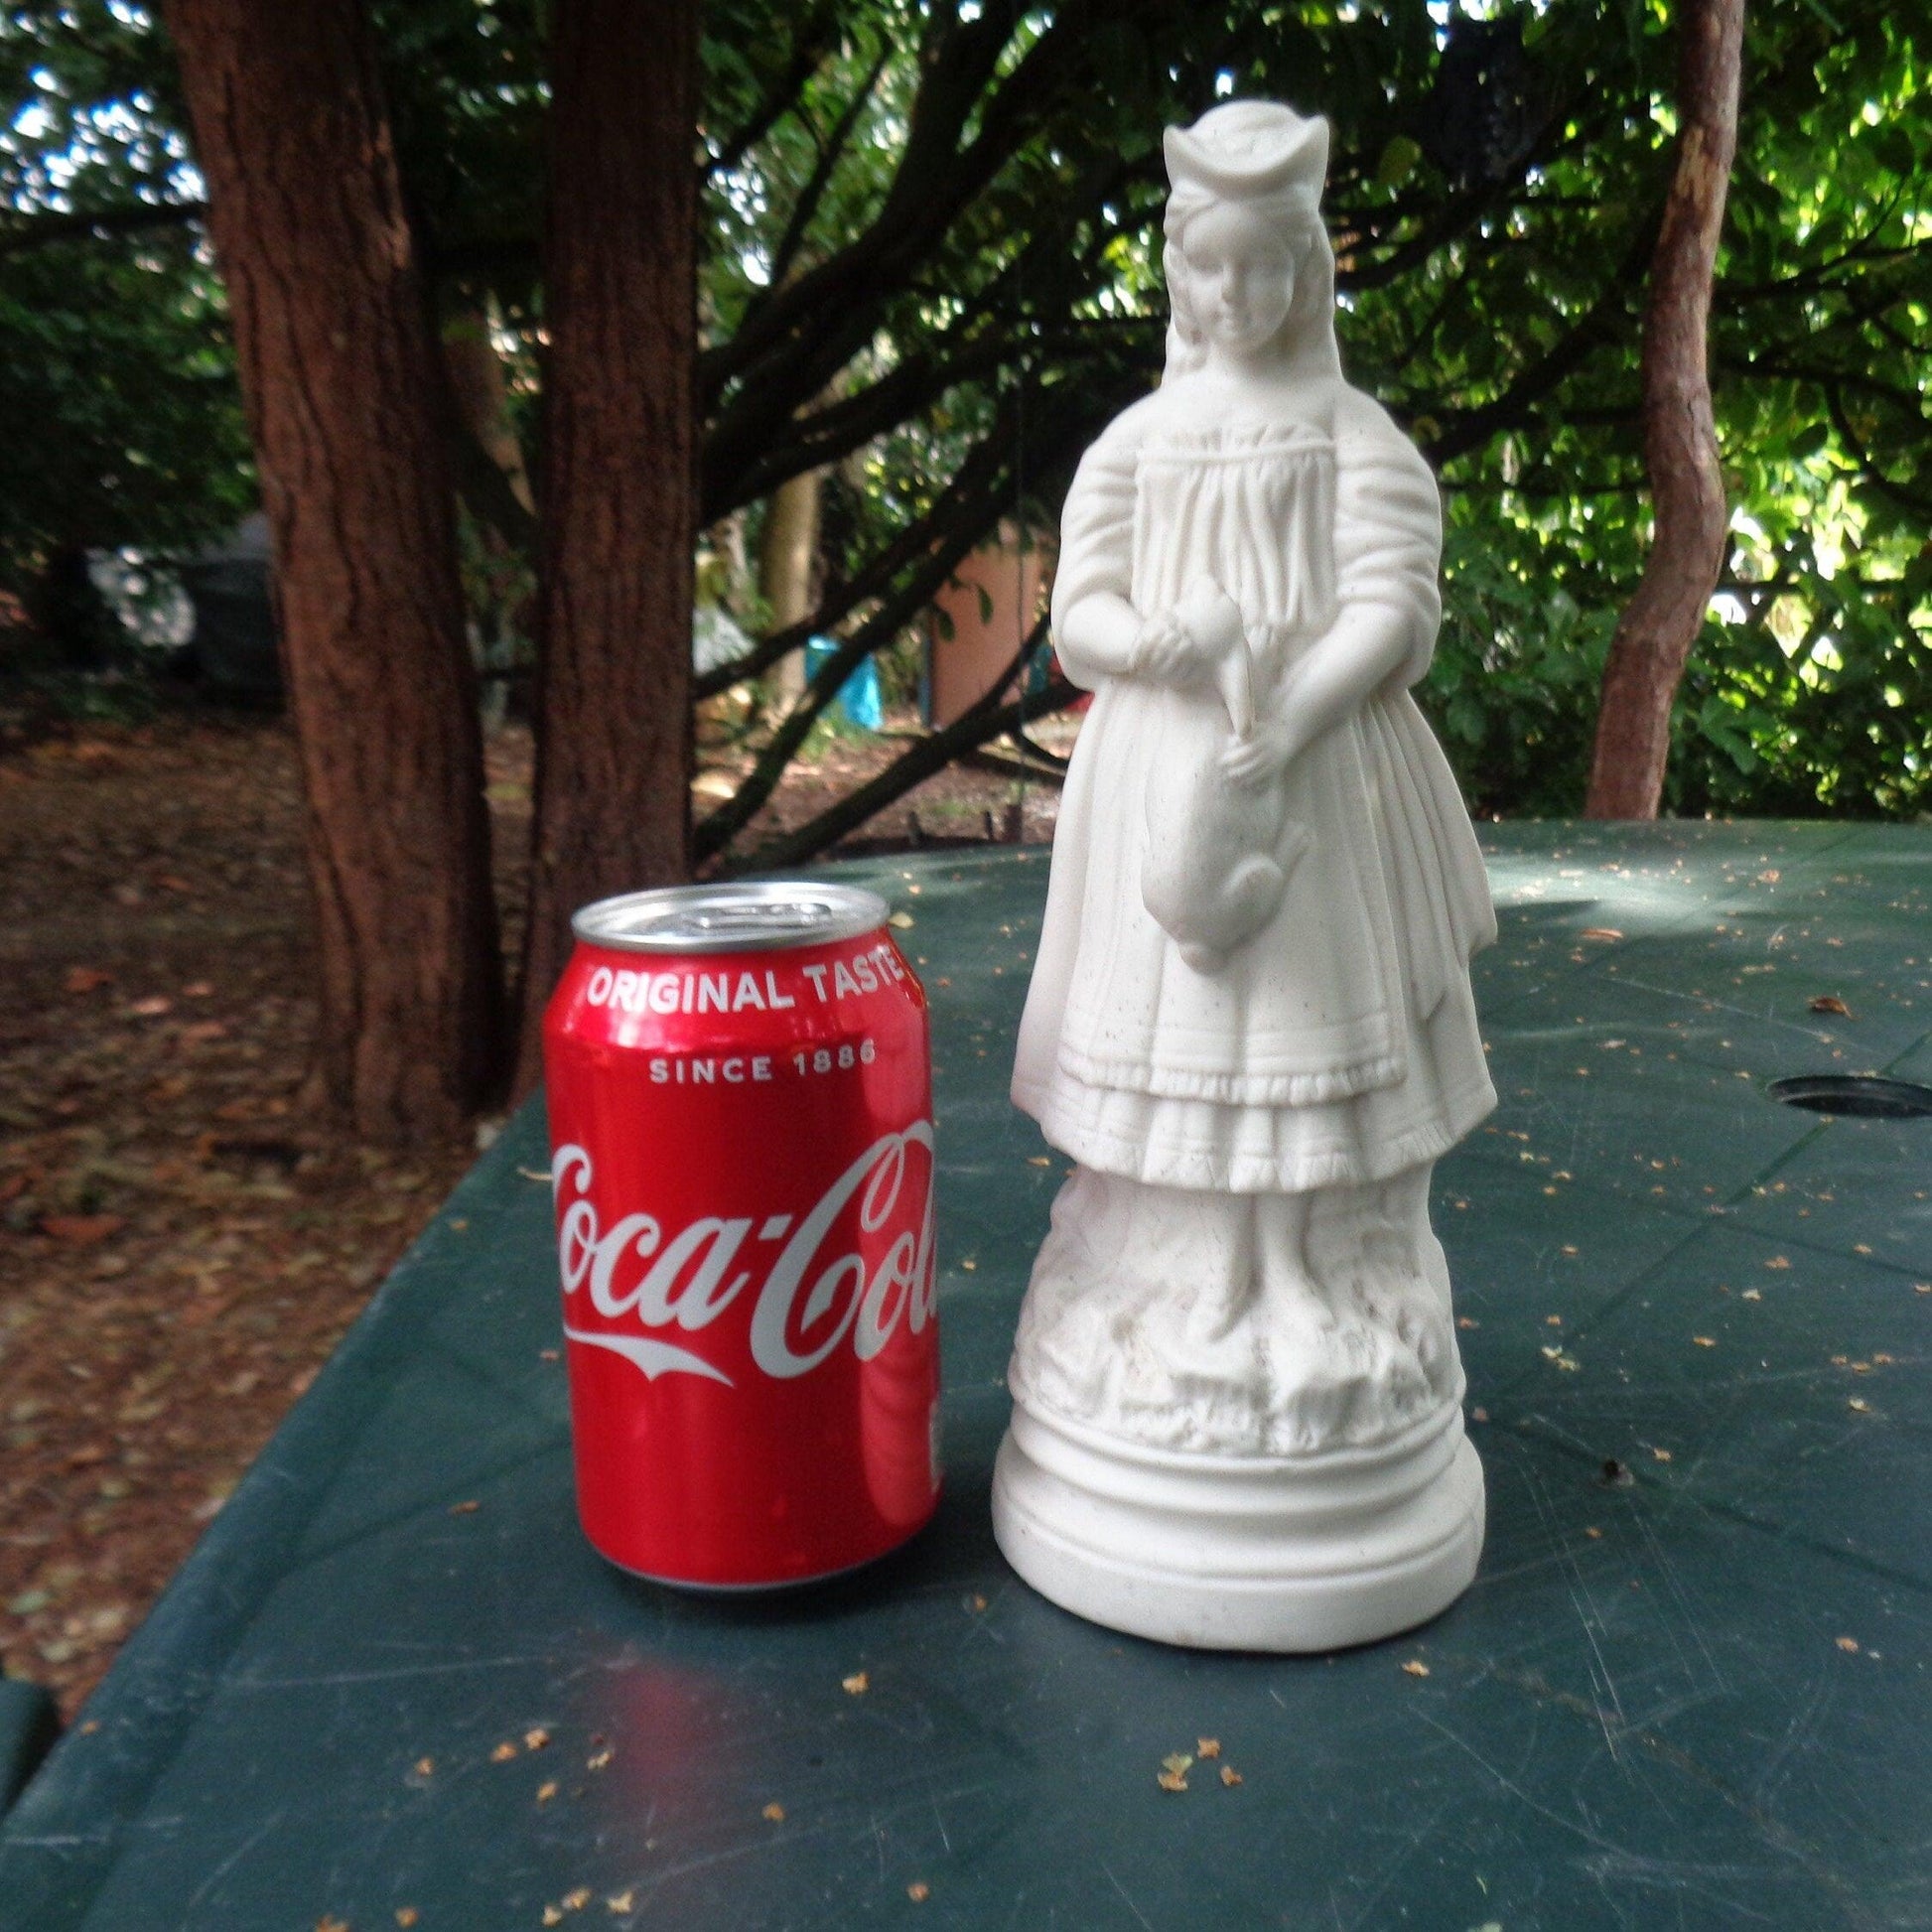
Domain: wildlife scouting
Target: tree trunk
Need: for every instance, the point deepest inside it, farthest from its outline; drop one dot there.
(787, 555)
(620, 473)
(1656, 631)
(337, 368)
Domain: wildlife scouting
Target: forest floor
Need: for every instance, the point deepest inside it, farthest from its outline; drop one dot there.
(182, 1243)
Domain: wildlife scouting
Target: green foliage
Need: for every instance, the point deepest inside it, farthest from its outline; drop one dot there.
(119, 421)
(932, 271)
(1811, 686)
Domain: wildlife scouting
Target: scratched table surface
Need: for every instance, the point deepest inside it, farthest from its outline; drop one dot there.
(1690, 1689)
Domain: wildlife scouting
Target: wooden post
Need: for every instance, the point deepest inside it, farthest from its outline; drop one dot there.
(786, 560)
(1657, 629)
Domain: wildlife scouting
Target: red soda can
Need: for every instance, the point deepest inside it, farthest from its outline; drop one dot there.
(740, 1088)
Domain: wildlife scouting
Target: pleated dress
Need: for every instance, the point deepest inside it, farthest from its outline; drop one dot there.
(1340, 1045)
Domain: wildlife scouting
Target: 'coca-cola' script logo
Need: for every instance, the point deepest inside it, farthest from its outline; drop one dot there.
(814, 1296)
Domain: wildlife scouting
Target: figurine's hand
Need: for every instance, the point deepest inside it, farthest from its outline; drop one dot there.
(1187, 644)
(1258, 759)
(1168, 652)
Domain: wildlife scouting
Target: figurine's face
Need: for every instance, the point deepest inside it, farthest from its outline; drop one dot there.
(1240, 271)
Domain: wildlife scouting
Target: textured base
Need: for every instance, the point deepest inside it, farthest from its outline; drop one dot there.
(1241, 1553)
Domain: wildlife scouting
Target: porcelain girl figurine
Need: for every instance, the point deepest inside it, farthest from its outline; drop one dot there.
(1237, 1395)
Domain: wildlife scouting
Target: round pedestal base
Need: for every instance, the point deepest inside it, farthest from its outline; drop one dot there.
(1232, 1553)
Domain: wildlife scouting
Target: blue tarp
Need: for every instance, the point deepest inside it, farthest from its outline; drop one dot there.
(859, 696)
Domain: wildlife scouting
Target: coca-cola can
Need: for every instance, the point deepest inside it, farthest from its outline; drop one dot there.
(740, 1088)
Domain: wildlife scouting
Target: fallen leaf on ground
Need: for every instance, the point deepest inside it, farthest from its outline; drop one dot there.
(1829, 1002)
(1207, 1747)
(1415, 1667)
(775, 1812)
(1601, 933)
(503, 1752)
(918, 1891)
(80, 1230)
(857, 1685)
(1230, 1776)
(84, 979)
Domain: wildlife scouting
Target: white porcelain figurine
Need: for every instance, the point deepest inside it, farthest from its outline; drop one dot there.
(1237, 1412)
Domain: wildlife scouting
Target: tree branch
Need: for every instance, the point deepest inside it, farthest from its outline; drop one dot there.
(823, 168)
(969, 501)
(987, 718)
(36, 231)
(1869, 469)
(935, 181)
(1040, 446)
(1591, 330)
(741, 459)
(808, 52)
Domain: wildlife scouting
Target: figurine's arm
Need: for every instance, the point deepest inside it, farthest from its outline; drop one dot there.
(1388, 542)
(1097, 630)
(1103, 636)
(1096, 637)
(1366, 646)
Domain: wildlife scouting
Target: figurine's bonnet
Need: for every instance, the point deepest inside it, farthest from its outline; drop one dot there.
(1248, 150)
(1274, 161)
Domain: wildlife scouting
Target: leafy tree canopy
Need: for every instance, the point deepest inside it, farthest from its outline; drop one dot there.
(933, 266)
(119, 419)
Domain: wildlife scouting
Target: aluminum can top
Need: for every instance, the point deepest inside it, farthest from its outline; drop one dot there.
(753, 916)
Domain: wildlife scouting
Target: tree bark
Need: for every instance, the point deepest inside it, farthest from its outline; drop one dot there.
(1654, 636)
(620, 473)
(338, 366)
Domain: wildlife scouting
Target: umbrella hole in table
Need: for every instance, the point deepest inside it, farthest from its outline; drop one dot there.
(1867, 1096)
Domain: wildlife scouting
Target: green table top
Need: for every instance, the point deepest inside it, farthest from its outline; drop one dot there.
(1698, 1697)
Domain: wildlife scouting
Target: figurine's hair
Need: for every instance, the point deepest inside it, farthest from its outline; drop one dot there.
(1310, 324)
